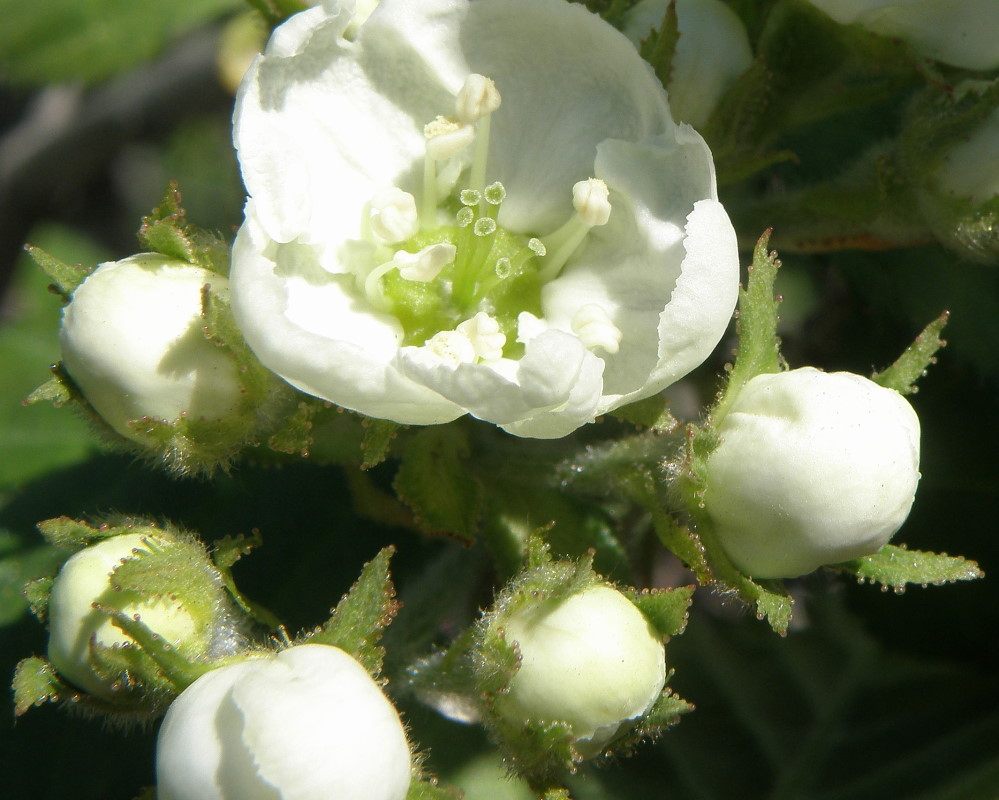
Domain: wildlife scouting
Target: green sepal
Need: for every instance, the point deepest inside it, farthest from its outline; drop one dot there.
(652, 412)
(166, 231)
(895, 566)
(612, 11)
(225, 553)
(665, 609)
(35, 683)
(357, 622)
(378, 436)
(74, 534)
(424, 788)
(556, 794)
(294, 436)
(221, 329)
(663, 715)
(57, 390)
(434, 480)
(37, 594)
(912, 364)
(758, 351)
(544, 751)
(65, 278)
(277, 11)
(659, 47)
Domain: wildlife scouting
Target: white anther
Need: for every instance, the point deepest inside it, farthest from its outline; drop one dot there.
(446, 138)
(477, 98)
(591, 199)
(392, 215)
(426, 264)
(594, 328)
(485, 335)
(452, 346)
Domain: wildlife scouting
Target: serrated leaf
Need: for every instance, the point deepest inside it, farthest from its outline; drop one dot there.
(64, 277)
(434, 480)
(912, 364)
(37, 594)
(665, 609)
(660, 46)
(72, 533)
(357, 622)
(90, 41)
(35, 683)
(378, 436)
(758, 351)
(897, 566)
(166, 230)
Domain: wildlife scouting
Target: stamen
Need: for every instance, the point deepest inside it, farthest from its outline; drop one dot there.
(477, 98)
(595, 329)
(392, 215)
(425, 265)
(590, 198)
(485, 335)
(445, 139)
(453, 346)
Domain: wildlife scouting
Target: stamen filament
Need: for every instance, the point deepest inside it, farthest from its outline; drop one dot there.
(428, 213)
(561, 245)
(480, 156)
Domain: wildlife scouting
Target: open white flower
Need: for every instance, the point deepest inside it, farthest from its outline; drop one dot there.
(546, 177)
(812, 468)
(306, 724)
(964, 33)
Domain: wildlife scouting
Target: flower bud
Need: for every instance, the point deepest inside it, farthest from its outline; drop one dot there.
(133, 341)
(308, 722)
(812, 468)
(196, 619)
(591, 660)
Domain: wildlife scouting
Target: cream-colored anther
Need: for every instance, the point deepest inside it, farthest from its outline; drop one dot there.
(591, 199)
(426, 264)
(594, 328)
(392, 215)
(477, 98)
(485, 335)
(452, 346)
(446, 138)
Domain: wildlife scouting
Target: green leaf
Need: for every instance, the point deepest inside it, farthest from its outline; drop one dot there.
(64, 277)
(759, 346)
(665, 609)
(35, 683)
(378, 436)
(90, 40)
(912, 364)
(357, 622)
(37, 594)
(660, 46)
(896, 566)
(71, 533)
(435, 481)
(167, 231)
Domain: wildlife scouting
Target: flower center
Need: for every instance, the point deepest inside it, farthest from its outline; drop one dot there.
(454, 278)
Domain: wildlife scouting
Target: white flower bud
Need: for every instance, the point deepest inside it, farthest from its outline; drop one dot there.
(74, 623)
(304, 724)
(812, 468)
(132, 340)
(593, 661)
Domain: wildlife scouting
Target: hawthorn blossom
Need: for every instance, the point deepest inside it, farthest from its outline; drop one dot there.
(479, 208)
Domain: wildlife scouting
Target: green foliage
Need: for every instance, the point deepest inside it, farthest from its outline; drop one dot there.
(35, 683)
(65, 278)
(434, 480)
(166, 231)
(912, 364)
(665, 609)
(660, 46)
(896, 566)
(91, 40)
(357, 622)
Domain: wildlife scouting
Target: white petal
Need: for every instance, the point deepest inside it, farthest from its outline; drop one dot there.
(308, 327)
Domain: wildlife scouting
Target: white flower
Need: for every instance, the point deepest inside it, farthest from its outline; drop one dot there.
(306, 724)
(964, 33)
(592, 661)
(74, 623)
(132, 339)
(712, 52)
(536, 143)
(813, 468)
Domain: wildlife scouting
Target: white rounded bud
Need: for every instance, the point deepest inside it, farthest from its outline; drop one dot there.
(74, 623)
(812, 468)
(591, 199)
(132, 339)
(306, 723)
(592, 660)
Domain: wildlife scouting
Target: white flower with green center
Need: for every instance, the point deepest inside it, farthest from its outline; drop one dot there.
(478, 208)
